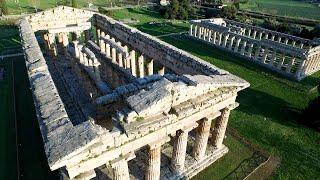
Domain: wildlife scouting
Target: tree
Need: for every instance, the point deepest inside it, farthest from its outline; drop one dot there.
(229, 12)
(3, 7)
(74, 3)
(178, 9)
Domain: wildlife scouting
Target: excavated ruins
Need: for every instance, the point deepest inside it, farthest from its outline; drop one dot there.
(288, 55)
(115, 103)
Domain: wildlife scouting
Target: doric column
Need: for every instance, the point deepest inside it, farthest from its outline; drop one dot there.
(249, 33)
(273, 57)
(190, 32)
(290, 64)
(254, 34)
(150, 67)
(237, 45)
(114, 55)
(45, 37)
(257, 53)
(161, 70)
(301, 45)
(209, 35)
(195, 31)
(300, 68)
(214, 37)
(98, 34)
(53, 47)
(260, 36)
(154, 160)
(279, 39)
(141, 66)
(283, 57)
(76, 49)
(266, 36)
(220, 127)
(205, 30)
(201, 141)
(120, 59)
(220, 39)
(250, 50)
(80, 54)
(286, 41)
(179, 151)
(265, 54)
(243, 48)
(272, 37)
(231, 43)
(133, 63)
(102, 46)
(225, 40)
(120, 169)
(294, 43)
(127, 64)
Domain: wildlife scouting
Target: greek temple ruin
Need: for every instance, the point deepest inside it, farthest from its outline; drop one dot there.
(291, 56)
(115, 103)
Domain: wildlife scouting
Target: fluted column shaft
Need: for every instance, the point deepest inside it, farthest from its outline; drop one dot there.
(220, 128)
(141, 66)
(154, 162)
(150, 67)
(120, 170)
(179, 151)
(133, 63)
(203, 131)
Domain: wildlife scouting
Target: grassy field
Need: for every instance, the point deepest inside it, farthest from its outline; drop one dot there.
(32, 159)
(268, 111)
(292, 8)
(9, 38)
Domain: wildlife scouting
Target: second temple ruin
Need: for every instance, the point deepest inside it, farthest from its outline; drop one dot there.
(115, 103)
(288, 55)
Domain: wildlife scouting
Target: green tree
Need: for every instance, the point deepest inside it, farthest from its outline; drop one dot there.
(229, 12)
(74, 3)
(3, 7)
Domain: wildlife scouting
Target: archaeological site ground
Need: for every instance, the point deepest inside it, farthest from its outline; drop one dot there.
(89, 95)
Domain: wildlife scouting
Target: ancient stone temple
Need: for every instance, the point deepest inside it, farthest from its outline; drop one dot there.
(288, 55)
(115, 103)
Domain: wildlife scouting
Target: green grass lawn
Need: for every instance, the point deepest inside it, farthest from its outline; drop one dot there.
(33, 163)
(7, 133)
(9, 38)
(269, 109)
(292, 8)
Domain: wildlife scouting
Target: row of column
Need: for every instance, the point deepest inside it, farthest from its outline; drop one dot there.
(121, 172)
(138, 65)
(269, 56)
(256, 34)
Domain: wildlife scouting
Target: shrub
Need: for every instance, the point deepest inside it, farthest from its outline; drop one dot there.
(229, 12)
(3, 7)
(178, 9)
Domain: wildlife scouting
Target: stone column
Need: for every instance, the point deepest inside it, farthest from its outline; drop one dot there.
(133, 63)
(294, 43)
(220, 39)
(250, 50)
(120, 59)
(195, 31)
(150, 67)
(225, 40)
(260, 36)
(220, 128)
(65, 42)
(141, 66)
(214, 37)
(237, 45)
(76, 49)
(266, 36)
(102, 45)
(283, 57)
(154, 160)
(45, 37)
(53, 47)
(265, 55)
(300, 68)
(190, 32)
(272, 37)
(126, 58)
(98, 34)
(243, 48)
(249, 33)
(161, 71)
(114, 55)
(231, 43)
(273, 57)
(202, 135)
(279, 39)
(108, 50)
(301, 45)
(286, 41)
(80, 54)
(179, 151)
(254, 34)
(257, 53)
(209, 35)
(291, 62)
(120, 170)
